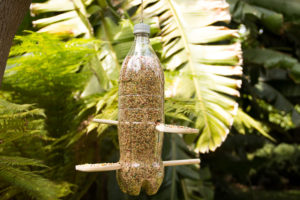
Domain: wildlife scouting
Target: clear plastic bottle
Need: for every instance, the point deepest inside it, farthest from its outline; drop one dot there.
(141, 107)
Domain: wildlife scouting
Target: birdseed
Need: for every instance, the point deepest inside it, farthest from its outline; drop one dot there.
(141, 107)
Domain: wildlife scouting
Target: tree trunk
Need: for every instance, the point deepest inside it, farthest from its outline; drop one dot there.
(12, 13)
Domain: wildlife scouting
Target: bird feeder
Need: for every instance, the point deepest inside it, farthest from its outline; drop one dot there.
(141, 121)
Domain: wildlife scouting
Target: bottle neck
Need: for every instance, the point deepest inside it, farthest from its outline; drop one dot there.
(142, 38)
(141, 46)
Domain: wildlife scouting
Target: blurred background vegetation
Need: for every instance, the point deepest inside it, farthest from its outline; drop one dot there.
(63, 71)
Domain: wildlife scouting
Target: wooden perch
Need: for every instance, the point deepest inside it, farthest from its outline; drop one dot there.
(98, 167)
(160, 127)
(116, 166)
(105, 121)
(181, 162)
(176, 129)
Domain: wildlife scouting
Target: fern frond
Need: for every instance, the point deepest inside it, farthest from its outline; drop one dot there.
(20, 161)
(104, 106)
(8, 193)
(17, 121)
(32, 184)
(43, 63)
(180, 109)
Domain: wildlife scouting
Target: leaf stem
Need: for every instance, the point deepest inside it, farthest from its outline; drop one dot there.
(82, 14)
(109, 42)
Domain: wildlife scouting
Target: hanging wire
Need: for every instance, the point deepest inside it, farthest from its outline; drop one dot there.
(142, 13)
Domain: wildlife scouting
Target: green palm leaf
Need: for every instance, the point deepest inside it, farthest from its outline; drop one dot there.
(73, 20)
(205, 69)
(274, 59)
(243, 121)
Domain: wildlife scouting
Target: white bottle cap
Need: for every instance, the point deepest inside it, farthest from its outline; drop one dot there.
(141, 28)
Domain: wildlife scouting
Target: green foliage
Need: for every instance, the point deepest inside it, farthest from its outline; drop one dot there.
(18, 122)
(243, 121)
(271, 67)
(251, 168)
(44, 64)
(242, 11)
(49, 72)
(19, 161)
(180, 181)
(278, 117)
(274, 59)
(31, 183)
